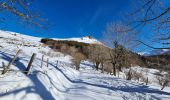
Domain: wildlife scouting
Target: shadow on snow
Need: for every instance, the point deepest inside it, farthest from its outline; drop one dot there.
(38, 87)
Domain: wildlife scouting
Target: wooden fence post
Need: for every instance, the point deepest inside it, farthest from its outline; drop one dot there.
(57, 62)
(11, 62)
(47, 62)
(42, 60)
(3, 66)
(30, 63)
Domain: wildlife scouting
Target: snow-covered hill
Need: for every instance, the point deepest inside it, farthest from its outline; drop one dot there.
(86, 39)
(155, 52)
(60, 81)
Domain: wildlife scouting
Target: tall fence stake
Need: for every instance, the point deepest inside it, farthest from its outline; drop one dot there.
(42, 60)
(47, 62)
(30, 63)
(11, 62)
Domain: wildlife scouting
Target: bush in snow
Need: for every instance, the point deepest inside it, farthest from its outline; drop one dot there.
(137, 75)
(77, 58)
(164, 80)
(145, 80)
(128, 74)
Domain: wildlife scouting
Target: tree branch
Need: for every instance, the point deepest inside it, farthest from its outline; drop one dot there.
(151, 46)
(154, 18)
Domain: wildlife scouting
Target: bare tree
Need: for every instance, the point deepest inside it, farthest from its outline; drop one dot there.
(77, 58)
(121, 40)
(97, 54)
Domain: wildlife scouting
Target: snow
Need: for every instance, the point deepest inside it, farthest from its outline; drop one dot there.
(60, 81)
(151, 74)
(155, 52)
(83, 39)
(143, 53)
(161, 51)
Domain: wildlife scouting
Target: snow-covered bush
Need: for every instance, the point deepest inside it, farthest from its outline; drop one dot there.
(163, 80)
(128, 74)
(136, 75)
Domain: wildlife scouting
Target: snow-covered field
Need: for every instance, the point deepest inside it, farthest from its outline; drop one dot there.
(60, 81)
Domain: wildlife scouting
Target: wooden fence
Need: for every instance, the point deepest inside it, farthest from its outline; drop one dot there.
(29, 66)
(26, 71)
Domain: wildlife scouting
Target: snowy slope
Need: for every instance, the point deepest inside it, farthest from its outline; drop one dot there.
(60, 81)
(83, 39)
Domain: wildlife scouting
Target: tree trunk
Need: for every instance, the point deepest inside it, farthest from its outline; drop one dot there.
(120, 68)
(114, 70)
(97, 66)
(77, 67)
(129, 76)
(102, 68)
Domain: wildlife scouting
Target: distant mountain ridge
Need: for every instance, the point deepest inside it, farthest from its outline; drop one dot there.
(155, 52)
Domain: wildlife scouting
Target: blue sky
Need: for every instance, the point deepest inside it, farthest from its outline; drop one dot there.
(73, 18)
